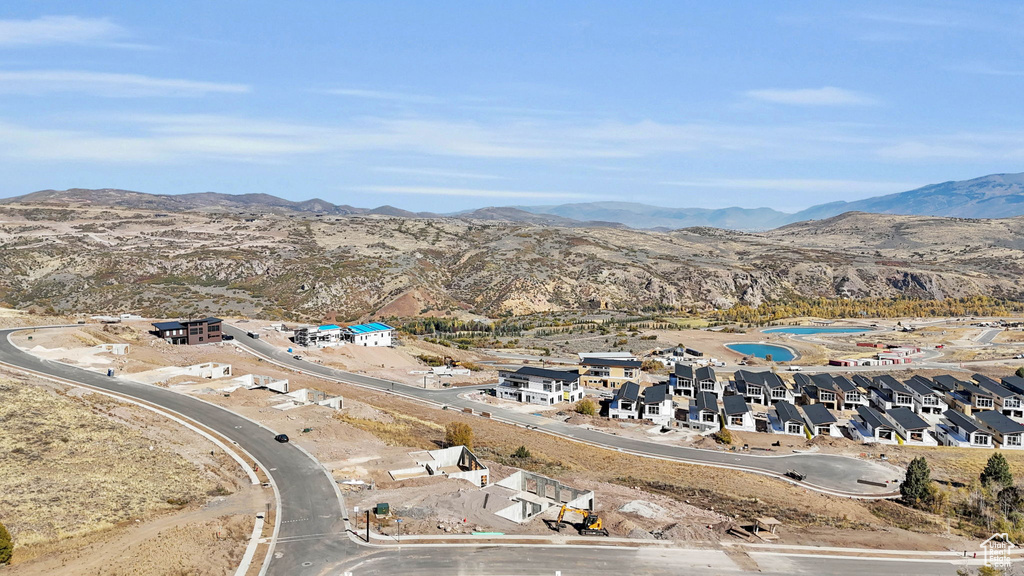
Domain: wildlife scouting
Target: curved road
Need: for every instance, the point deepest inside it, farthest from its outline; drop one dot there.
(825, 472)
(313, 541)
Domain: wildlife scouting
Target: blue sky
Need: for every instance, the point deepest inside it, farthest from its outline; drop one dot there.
(444, 106)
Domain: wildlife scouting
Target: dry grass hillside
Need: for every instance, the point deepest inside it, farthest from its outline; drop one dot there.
(91, 259)
(74, 463)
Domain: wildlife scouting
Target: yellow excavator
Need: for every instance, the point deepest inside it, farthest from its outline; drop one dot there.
(590, 526)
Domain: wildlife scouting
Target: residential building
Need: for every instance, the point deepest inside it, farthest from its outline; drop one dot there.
(683, 381)
(969, 398)
(961, 430)
(820, 421)
(539, 386)
(911, 427)
(788, 420)
(319, 336)
(372, 334)
(871, 426)
(750, 385)
(1007, 401)
(825, 391)
(888, 393)
(190, 332)
(927, 400)
(737, 414)
(849, 394)
(703, 413)
(657, 404)
(625, 404)
(608, 372)
(1009, 434)
(707, 381)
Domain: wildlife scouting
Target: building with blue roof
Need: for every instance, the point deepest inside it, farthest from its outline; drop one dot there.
(371, 334)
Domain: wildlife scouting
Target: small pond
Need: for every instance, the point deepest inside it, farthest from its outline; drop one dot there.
(779, 354)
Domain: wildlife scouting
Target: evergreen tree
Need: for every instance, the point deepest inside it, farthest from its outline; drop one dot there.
(6, 545)
(997, 470)
(915, 487)
(1020, 372)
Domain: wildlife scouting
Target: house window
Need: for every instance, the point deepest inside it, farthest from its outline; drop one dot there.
(778, 393)
(822, 430)
(706, 417)
(193, 331)
(1011, 440)
(884, 434)
(793, 428)
(983, 402)
(736, 421)
(215, 328)
(982, 439)
(917, 436)
(654, 409)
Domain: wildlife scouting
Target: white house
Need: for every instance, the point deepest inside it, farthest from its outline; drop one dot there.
(820, 421)
(871, 426)
(657, 404)
(683, 381)
(964, 431)
(737, 414)
(788, 420)
(707, 381)
(320, 336)
(532, 385)
(927, 400)
(624, 405)
(704, 412)
(372, 334)
(913, 428)
(1007, 401)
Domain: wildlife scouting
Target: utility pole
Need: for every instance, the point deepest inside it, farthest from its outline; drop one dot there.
(367, 526)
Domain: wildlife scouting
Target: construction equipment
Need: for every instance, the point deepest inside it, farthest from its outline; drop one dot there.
(590, 526)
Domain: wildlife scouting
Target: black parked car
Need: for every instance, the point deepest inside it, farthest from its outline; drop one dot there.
(282, 438)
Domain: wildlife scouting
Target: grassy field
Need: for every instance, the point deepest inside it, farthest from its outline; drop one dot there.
(74, 466)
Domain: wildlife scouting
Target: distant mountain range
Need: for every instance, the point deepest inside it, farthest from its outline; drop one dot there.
(994, 196)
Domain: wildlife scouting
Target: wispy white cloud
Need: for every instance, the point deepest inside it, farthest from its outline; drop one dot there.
(383, 95)
(108, 84)
(436, 173)
(797, 185)
(472, 192)
(825, 96)
(58, 30)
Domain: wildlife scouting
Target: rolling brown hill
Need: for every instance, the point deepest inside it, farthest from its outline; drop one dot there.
(90, 258)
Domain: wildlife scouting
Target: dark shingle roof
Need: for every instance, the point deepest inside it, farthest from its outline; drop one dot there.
(994, 387)
(974, 390)
(919, 387)
(561, 375)
(787, 412)
(684, 371)
(874, 418)
(168, 325)
(618, 363)
(996, 421)
(772, 380)
(961, 420)
(628, 391)
(210, 320)
(705, 373)
(656, 394)
(1015, 383)
(707, 401)
(735, 405)
(907, 419)
(891, 383)
(844, 384)
(946, 382)
(818, 415)
(863, 382)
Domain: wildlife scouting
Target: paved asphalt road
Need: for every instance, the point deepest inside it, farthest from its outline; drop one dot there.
(312, 540)
(830, 472)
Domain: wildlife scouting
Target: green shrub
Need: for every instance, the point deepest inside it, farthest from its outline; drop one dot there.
(6, 545)
(587, 407)
(723, 436)
(521, 452)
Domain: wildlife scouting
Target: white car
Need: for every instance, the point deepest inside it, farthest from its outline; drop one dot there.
(795, 368)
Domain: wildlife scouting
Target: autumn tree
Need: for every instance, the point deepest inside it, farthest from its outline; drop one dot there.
(458, 434)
